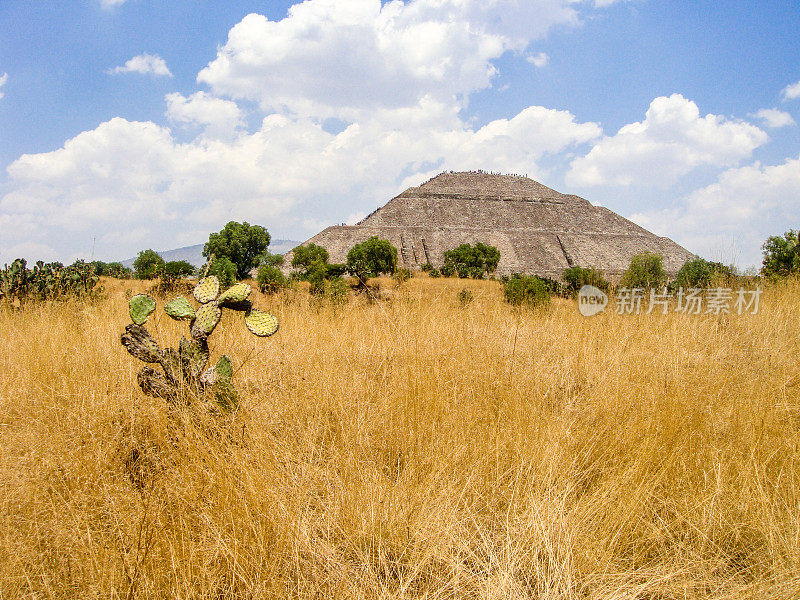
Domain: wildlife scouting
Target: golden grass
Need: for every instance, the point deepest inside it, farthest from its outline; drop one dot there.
(407, 448)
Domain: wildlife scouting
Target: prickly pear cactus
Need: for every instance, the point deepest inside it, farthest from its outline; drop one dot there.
(183, 375)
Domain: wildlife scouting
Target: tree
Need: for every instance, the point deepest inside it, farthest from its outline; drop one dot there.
(372, 258)
(305, 257)
(178, 268)
(781, 254)
(699, 273)
(471, 261)
(272, 260)
(148, 265)
(241, 243)
(645, 271)
(270, 279)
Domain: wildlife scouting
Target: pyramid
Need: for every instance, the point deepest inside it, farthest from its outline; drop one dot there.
(537, 229)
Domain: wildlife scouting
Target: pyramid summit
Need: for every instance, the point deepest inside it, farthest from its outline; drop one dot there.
(537, 229)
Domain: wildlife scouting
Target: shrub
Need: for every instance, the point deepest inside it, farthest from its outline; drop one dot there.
(148, 265)
(576, 277)
(308, 257)
(645, 271)
(528, 290)
(472, 261)
(699, 273)
(781, 255)
(272, 260)
(178, 268)
(447, 270)
(402, 275)
(336, 290)
(270, 279)
(241, 243)
(426, 267)
(434, 273)
(224, 270)
(465, 297)
(372, 258)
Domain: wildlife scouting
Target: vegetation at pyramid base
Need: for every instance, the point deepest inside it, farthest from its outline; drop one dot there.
(702, 273)
(645, 271)
(781, 255)
(271, 279)
(241, 243)
(372, 258)
(527, 290)
(47, 281)
(471, 261)
(577, 277)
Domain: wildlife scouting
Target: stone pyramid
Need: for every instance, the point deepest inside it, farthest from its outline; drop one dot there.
(537, 229)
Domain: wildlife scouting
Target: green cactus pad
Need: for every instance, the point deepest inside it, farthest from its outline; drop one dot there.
(261, 323)
(180, 309)
(234, 294)
(224, 368)
(141, 307)
(205, 320)
(141, 345)
(194, 354)
(206, 289)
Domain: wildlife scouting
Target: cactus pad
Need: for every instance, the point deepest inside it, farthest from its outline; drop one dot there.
(206, 289)
(234, 294)
(140, 344)
(205, 320)
(194, 355)
(141, 307)
(261, 323)
(180, 309)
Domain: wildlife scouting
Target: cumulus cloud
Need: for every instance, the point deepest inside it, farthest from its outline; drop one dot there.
(774, 118)
(539, 60)
(111, 3)
(671, 141)
(3, 80)
(128, 176)
(745, 205)
(144, 64)
(219, 118)
(791, 92)
(337, 57)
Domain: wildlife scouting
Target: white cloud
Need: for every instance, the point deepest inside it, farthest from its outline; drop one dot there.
(791, 92)
(774, 118)
(672, 140)
(539, 60)
(3, 80)
(143, 63)
(745, 205)
(111, 3)
(338, 57)
(219, 118)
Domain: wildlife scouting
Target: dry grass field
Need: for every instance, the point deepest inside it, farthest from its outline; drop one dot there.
(410, 447)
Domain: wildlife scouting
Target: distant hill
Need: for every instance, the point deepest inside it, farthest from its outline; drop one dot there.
(194, 254)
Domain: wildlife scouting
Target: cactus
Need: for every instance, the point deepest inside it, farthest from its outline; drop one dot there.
(51, 281)
(183, 374)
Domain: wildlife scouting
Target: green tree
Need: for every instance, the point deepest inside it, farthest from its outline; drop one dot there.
(699, 273)
(781, 255)
(371, 258)
(471, 261)
(178, 268)
(306, 258)
(645, 271)
(148, 265)
(272, 260)
(241, 243)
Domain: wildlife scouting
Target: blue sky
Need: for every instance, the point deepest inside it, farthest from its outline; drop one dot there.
(134, 124)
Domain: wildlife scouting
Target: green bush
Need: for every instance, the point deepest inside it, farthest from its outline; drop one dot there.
(465, 297)
(272, 260)
(645, 271)
(527, 290)
(426, 267)
(434, 273)
(225, 271)
(308, 258)
(576, 277)
(372, 258)
(402, 275)
(781, 255)
(336, 290)
(178, 268)
(148, 265)
(270, 279)
(471, 261)
(701, 273)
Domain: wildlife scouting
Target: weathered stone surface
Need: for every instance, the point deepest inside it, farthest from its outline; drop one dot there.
(537, 229)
